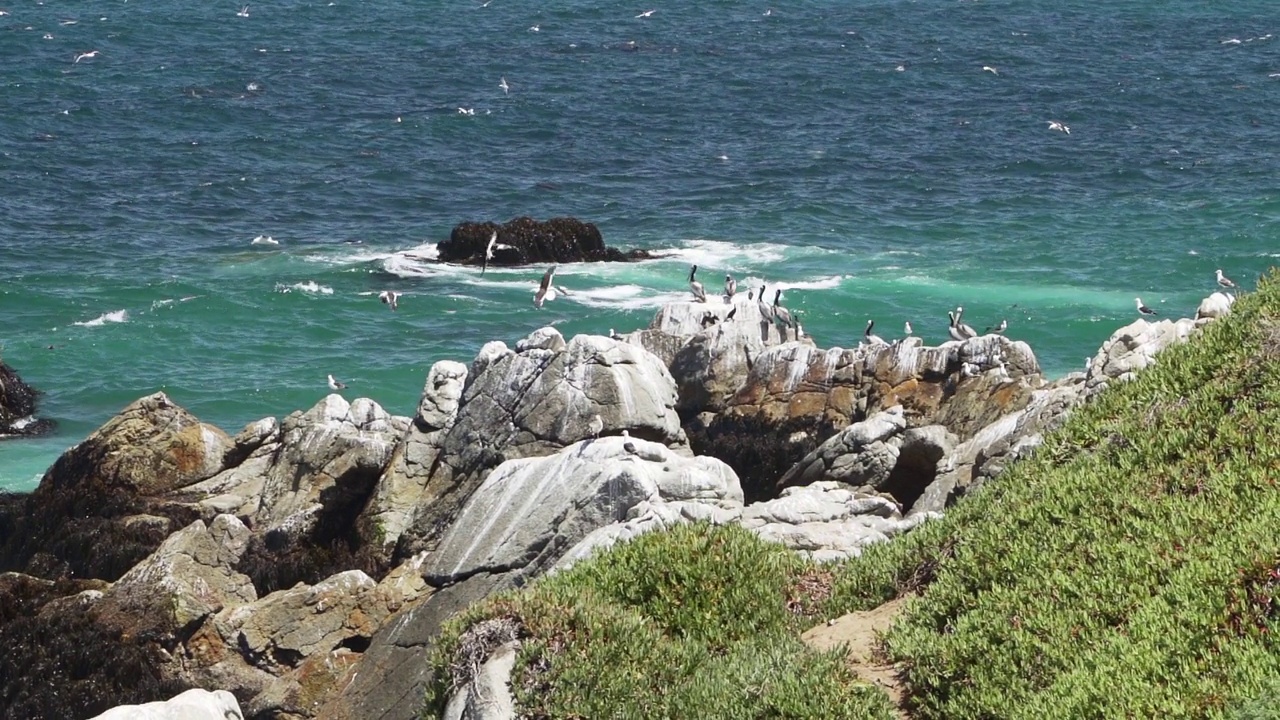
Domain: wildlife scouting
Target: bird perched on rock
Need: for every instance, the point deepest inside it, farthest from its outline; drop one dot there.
(997, 329)
(1142, 308)
(730, 288)
(629, 446)
(766, 312)
(596, 426)
(958, 330)
(781, 316)
(871, 338)
(390, 297)
(1224, 281)
(699, 293)
(335, 385)
(906, 328)
(732, 312)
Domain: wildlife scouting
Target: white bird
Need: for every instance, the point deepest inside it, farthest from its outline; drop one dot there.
(613, 334)
(699, 293)
(629, 446)
(265, 240)
(1144, 309)
(1223, 280)
(244, 12)
(466, 111)
(998, 329)
(488, 252)
(646, 13)
(906, 327)
(534, 28)
(730, 288)
(335, 385)
(86, 56)
(988, 68)
(503, 84)
(1055, 125)
(871, 338)
(390, 297)
(596, 426)
(545, 291)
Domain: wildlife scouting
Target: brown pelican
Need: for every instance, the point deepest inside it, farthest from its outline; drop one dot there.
(872, 339)
(730, 288)
(781, 317)
(699, 293)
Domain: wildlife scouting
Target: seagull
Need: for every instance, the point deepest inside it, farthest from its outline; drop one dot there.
(534, 28)
(629, 446)
(389, 297)
(699, 293)
(335, 385)
(85, 56)
(244, 12)
(873, 339)
(265, 240)
(466, 111)
(1055, 125)
(1144, 309)
(488, 252)
(906, 328)
(730, 288)
(997, 329)
(781, 316)
(503, 84)
(613, 334)
(596, 426)
(646, 14)
(988, 68)
(1224, 281)
(545, 288)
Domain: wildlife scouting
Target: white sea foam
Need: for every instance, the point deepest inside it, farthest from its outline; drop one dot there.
(417, 261)
(726, 255)
(626, 297)
(310, 286)
(116, 316)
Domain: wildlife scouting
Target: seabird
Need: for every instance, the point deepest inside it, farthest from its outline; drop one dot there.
(335, 385)
(545, 287)
(961, 327)
(709, 318)
(265, 240)
(390, 297)
(466, 111)
(629, 446)
(988, 68)
(503, 84)
(1144, 309)
(873, 339)
(906, 327)
(534, 28)
(1055, 125)
(613, 334)
(997, 329)
(766, 312)
(730, 287)
(699, 293)
(596, 426)
(954, 331)
(732, 312)
(488, 252)
(86, 56)
(244, 12)
(781, 317)
(1223, 280)
(646, 14)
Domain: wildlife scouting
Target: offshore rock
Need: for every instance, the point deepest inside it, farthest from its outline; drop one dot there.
(18, 406)
(524, 240)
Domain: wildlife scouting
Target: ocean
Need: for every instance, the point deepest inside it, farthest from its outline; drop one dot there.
(856, 155)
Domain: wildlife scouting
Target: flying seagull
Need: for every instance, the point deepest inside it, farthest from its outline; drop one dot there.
(871, 338)
(1224, 281)
(244, 12)
(646, 13)
(390, 297)
(505, 87)
(488, 252)
(335, 385)
(1144, 309)
(1055, 125)
(85, 56)
(545, 291)
(988, 68)
(730, 288)
(699, 293)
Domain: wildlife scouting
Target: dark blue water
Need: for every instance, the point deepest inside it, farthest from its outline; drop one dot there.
(856, 155)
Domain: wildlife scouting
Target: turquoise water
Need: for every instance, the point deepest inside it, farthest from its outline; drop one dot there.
(784, 147)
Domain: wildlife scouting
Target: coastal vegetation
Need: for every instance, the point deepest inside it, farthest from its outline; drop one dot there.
(1129, 568)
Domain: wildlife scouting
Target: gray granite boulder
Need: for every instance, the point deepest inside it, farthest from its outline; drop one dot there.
(1132, 348)
(191, 705)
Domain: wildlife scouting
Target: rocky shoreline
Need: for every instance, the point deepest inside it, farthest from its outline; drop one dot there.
(18, 406)
(304, 564)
